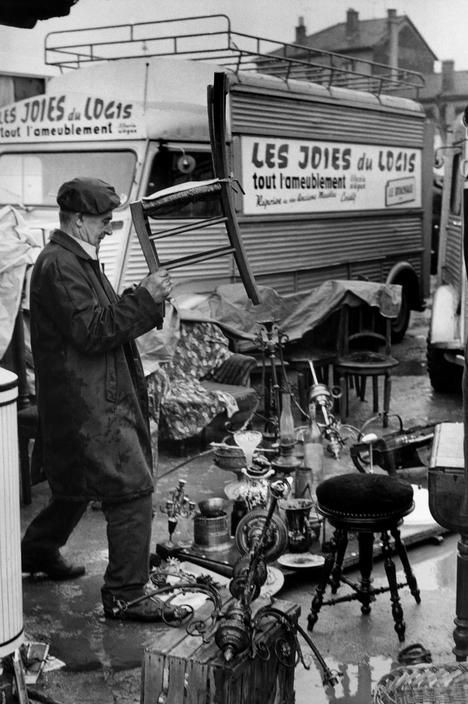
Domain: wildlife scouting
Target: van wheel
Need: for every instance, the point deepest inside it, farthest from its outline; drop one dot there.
(401, 322)
(445, 376)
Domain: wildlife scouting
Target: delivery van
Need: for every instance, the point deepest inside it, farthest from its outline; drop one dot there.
(449, 313)
(334, 173)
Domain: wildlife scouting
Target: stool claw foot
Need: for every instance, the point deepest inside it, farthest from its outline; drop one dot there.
(312, 619)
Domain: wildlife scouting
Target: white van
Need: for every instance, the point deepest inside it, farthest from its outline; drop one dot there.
(335, 174)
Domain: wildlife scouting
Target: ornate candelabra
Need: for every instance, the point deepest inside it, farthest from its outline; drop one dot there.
(261, 537)
(178, 505)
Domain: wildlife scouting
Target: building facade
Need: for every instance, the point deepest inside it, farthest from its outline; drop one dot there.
(395, 41)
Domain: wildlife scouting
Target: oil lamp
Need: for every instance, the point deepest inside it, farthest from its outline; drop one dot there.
(286, 462)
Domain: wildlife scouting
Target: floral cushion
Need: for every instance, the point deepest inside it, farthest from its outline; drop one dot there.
(178, 399)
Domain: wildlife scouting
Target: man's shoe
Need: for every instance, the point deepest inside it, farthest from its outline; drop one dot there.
(54, 566)
(150, 610)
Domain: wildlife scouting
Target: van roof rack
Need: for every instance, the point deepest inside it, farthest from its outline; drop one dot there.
(210, 37)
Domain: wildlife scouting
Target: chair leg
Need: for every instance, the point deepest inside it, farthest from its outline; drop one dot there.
(403, 555)
(390, 570)
(375, 393)
(361, 387)
(387, 395)
(23, 447)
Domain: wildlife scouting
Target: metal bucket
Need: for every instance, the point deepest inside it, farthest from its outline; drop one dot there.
(211, 533)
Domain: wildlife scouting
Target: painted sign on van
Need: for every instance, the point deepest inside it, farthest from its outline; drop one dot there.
(301, 176)
(70, 116)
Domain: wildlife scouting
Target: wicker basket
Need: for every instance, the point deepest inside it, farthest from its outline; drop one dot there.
(424, 684)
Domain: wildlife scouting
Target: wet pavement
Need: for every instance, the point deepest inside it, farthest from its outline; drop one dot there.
(103, 659)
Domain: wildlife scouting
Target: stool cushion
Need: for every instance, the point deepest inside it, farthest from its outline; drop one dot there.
(365, 495)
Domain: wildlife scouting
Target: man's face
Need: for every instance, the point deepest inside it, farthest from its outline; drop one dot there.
(93, 228)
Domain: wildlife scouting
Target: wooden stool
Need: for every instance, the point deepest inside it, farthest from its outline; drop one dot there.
(365, 504)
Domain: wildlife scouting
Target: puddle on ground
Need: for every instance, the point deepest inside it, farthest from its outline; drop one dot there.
(355, 686)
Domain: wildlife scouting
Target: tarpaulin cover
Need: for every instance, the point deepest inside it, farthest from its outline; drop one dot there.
(296, 315)
(18, 251)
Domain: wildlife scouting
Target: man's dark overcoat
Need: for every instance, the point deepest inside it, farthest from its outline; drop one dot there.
(92, 395)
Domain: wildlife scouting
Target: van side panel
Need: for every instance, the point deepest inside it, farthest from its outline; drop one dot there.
(316, 246)
(322, 248)
(291, 115)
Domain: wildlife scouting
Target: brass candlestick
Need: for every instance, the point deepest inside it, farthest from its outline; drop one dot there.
(178, 505)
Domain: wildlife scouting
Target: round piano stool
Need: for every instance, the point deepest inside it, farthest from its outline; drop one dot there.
(364, 504)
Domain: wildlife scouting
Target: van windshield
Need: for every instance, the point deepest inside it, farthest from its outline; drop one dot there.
(34, 178)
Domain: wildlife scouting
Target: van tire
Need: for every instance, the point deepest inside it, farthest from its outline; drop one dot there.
(401, 322)
(445, 376)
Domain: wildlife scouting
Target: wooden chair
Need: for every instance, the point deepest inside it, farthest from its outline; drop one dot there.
(364, 350)
(221, 188)
(28, 419)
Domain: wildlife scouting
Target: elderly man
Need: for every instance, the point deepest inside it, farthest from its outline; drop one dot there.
(92, 400)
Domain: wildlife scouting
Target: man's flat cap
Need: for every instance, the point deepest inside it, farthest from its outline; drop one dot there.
(87, 195)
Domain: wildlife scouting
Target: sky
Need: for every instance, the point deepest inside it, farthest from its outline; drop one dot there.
(442, 23)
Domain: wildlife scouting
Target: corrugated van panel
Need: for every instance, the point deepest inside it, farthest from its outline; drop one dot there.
(294, 244)
(310, 119)
(181, 246)
(110, 255)
(307, 279)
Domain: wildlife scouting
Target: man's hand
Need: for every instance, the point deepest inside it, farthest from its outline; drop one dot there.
(159, 285)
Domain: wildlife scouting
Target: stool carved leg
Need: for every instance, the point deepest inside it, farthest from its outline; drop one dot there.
(341, 543)
(320, 589)
(365, 595)
(390, 570)
(403, 555)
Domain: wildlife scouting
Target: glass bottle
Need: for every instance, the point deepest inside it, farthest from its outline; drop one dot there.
(313, 456)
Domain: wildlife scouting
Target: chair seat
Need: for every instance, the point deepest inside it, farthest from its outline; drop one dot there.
(366, 361)
(246, 396)
(364, 499)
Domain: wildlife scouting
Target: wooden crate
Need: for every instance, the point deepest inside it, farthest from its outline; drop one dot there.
(181, 669)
